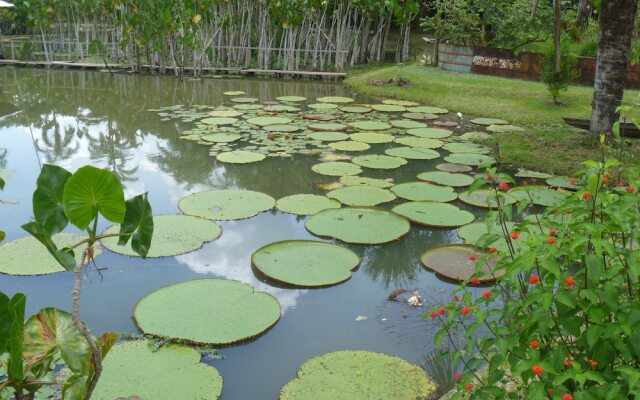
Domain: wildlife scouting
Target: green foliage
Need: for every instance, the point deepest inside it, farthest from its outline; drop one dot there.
(589, 49)
(440, 366)
(564, 319)
(456, 20)
(557, 81)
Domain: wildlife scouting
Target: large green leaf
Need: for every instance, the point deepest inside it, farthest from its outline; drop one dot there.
(137, 225)
(15, 309)
(90, 191)
(64, 257)
(1, 183)
(47, 199)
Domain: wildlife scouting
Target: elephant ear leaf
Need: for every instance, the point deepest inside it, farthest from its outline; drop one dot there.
(48, 209)
(15, 310)
(65, 257)
(1, 183)
(90, 191)
(137, 225)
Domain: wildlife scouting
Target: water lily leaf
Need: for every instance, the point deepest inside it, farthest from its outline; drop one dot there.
(282, 128)
(172, 235)
(422, 191)
(362, 181)
(484, 198)
(48, 209)
(319, 117)
(328, 136)
(434, 214)
(226, 204)
(523, 173)
(420, 116)
(372, 137)
(358, 375)
(323, 106)
(219, 121)
(452, 263)
(136, 368)
(281, 108)
(388, 108)
(336, 168)
(413, 153)
(356, 109)
(504, 128)
(248, 107)
(455, 168)
(428, 110)
(207, 311)
(488, 121)
(376, 161)
(27, 256)
(470, 159)
(328, 126)
(91, 190)
(358, 225)
(472, 233)
(349, 145)
(221, 137)
(244, 100)
(404, 103)
(305, 204)
(335, 99)
(407, 124)
(563, 182)
(446, 178)
(240, 157)
(291, 99)
(234, 93)
(305, 263)
(363, 196)
(371, 125)
(475, 136)
(225, 113)
(424, 143)
(264, 121)
(334, 157)
(430, 133)
(541, 196)
(466, 147)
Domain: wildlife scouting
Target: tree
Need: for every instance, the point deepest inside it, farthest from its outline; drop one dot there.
(617, 19)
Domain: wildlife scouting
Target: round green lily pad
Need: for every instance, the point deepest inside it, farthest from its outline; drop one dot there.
(226, 204)
(466, 147)
(305, 204)
(27, 256)
(281, 108)
(376, 161)
(218, 121)
(291, 99)
(234, 93)
(541, 196)
(422, 191)
(452, 263)
(428, 110)
(504, 128)
(488, 121)
(335, 99)
(446, 178)
(563, 182)
(456, 168)
(358, 375)
(388, 108)
(220, 137)
(285, 128)
(434, 214)
(323, 106)
(264, 121)
(362, 181)
(370, 125)
(523, 173)
(475, 136)
(136, 368)
(319, 117)
(356, 109)
(172, 235)
(470, 159)
(224, 113)
(424, 143)
(305, 263)
(358, 225)
(336, 168)
(244, 100)
(404, 103)
(362, 196)
(328, 136)
(328, 126)
(349, 145)
(372, 137)
(485, 198)
(207, 311)
(412, 153)
(420, 116)
(240, 157)
(430, 133)
(407, 124)
(472, 233)
(248, 107)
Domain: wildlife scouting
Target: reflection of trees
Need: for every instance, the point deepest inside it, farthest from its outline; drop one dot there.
(56, 143)
(3, 157)
(113, 146)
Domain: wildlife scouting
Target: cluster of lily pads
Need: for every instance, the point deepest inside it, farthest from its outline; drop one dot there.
(229, 312)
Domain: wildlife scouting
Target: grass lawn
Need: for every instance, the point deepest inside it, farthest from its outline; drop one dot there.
(546, 145)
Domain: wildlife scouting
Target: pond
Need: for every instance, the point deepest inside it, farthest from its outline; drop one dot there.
(74, 118)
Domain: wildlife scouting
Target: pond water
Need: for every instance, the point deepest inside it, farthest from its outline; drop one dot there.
(74, 118)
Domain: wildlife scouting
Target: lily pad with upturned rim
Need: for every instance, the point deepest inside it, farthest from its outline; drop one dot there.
(358, 225)
(388, 108)
(336, 168)
(240, 157)
(264, 121)
(362, 181)
(335, 99)
(485, 198)
(423, 191)
(284, 128)
(428, 110)
(539, 195)
(412, 153)
(446, 178)
(524, 173)
(377, 161)
(349, 145)
(356, 109)
(454, 168)
(371, 137)
(466, 147)
(430, 133)
(291, 99)
(328, 127)
(407, 124)
(488, 121)
(404, 103)
(244, 100)
(563, 182)
(370, 125)
(225, 113)
(305, 204)
(305, 263)
(226, 204)
(328, 136)
(361, 196)
(452, 263)
(442, 215)
(470, 159)
(424, 143)
(220, 137)
(219, 121)
(207, 311)
(322, 106)
(234, 93)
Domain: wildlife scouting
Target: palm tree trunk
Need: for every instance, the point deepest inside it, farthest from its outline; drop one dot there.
(617, 18)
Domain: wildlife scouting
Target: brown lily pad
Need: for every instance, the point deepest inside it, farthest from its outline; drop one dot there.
(319, 117)
(451, 262)
(455, 168)
(448, 124)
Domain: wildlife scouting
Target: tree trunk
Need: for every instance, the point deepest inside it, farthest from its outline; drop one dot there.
(583, 14)
(557, 32)
(617, 18)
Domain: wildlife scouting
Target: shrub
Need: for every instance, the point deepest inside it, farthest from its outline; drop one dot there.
(557, 81)
(589, 49)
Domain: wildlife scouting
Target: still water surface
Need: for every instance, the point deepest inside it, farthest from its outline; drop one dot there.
(74, 118)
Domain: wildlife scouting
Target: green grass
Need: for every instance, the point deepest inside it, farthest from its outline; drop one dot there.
(547, 144)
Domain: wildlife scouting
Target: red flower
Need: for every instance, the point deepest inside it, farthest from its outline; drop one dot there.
(621, 184)
(569, 281)
(586, 195)
(553, 232)
(465, 310)
(630, 189)
(457, 376)
(492, 249)
(567, 396)
(515, 235)
(475, 280)
(472, 257)
(534, 279)
(442, 311)
(503, 186)
(593, 363)
(605, 180)
(469, 387)
(433, 314)
(534, 344)
(551, 239)
(573, 181)
(486, 294)
(567, 363)
(537, 370)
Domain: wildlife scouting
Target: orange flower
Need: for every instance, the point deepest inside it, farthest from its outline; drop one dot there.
(553, 232)
(630, 189)
(469, 387)
(593, 363)
(486, 294)
(551, 239)
(515, 235)
(433, 314)
(605, 180)
(534, 279)
(465, 310)
(457, 376)
(569, 281)
(567, 396)
(537, 370)
(442, 311)
(586, 195)
(503, 186)
(492, 249)
(475, 280)
(472, 257)
(534, 344)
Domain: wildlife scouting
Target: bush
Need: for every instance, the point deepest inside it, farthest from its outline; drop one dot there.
(589, 49)
(557, 81)
(563, 321)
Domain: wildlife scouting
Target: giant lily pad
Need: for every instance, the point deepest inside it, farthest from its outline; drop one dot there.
(456, 168)
(221, 137)
(430, 133)
(422, 191)
(207, 311)
(412, 153)
(434, 214)
(218, 121)
(485, 198)
(264, 121)
(388, 108)
(472, 233)
(291, 99)
(328, 126)
(172, 235)
(376, 161)
(328, 136)
(539, 195)
(371, 137)
(523, 173)
(281, 128)
(244, 100)
(404, 103)
(227, 204)
(27, 256)
(363, 196)
(335, 99)
(136, 368)
(452, 262)
(281, 108)
(240, 157)
(319, 117)
(466, 147)
(488, 121)
(323, 106)
(305, 263)
(234, 93)
(355, 109)
(428, 110)
(305, 204)
(475, 136)
(358, 375)
(248, 107)
(420, 116)
(371, 125)
(362, 181)
(407, 124)
(424, 143)
(336, 168)
(563, 182)
(225, 113)
(446, 178)
(349, 145)
(358, 225)
(470, 159)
